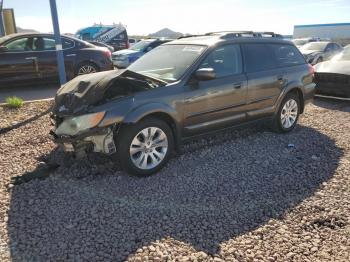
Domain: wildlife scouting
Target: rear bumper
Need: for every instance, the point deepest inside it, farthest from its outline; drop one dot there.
(121, 64)
(309, 93)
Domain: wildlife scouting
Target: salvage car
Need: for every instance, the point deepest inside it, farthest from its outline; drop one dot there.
(333, 77)
(30, 58)
(179, 90)
(317, 52)
(124, 58)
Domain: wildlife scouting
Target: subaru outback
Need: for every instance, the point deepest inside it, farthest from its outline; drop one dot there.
(184, 88)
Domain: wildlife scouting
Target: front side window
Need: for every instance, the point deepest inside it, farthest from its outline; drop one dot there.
(258, 57)
(43, 44)
(225, 60)
(20, 45)
(168, 62)
(287, 55)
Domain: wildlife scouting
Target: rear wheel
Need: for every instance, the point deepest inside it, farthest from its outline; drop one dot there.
(86, 68)
(288, 114)
(145, 147)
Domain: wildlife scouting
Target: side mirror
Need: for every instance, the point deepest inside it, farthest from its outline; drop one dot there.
(148, 49)
(3, 49)
(205, 74)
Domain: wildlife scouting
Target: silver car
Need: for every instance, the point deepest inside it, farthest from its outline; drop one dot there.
(317, 52)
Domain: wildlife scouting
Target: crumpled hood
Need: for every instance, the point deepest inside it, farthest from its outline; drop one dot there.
(82, 91)
(309, 52)
(336, 67)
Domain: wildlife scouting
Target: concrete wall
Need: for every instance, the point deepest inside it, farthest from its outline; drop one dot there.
(332, 31)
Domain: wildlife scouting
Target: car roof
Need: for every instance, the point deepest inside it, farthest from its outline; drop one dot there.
(209, 40)
(8, 37)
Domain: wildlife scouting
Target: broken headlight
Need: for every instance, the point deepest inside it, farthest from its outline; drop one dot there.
(74, 125)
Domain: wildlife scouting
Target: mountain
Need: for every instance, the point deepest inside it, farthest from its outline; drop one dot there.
(22, 30)
(166, 33)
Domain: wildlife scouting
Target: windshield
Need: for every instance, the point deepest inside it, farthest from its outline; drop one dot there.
(300, 41)
(140, 46)
(317, 46)
(168, 62)
(343, 56)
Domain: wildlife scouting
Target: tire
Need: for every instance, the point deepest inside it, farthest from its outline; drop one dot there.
(86, 68)
(136, 156)
(291, 103)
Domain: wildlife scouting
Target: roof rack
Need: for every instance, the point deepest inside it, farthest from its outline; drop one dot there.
(232, 34)
(188, 36)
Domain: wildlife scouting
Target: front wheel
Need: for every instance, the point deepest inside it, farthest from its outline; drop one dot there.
(288, 114)
(145, 147)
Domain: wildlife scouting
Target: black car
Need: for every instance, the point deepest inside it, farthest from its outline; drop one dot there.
(31, 58)
(183, 89)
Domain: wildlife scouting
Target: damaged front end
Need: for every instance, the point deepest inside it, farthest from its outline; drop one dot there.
(89, 110)
(82, 134)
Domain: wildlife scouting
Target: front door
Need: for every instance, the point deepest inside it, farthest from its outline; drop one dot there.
(217, 103)
(18, 63)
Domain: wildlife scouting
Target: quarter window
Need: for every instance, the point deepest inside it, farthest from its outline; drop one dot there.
(258, 57)
(287, 55)
(225, 60)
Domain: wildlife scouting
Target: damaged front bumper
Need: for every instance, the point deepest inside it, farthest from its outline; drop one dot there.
(100, 140)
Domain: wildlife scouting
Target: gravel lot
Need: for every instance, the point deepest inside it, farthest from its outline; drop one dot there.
(243, 195)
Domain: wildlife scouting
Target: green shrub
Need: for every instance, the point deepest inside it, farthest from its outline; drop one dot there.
(14, 102)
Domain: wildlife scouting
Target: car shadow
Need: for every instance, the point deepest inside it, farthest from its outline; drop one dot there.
(332, 104)
(213, 192)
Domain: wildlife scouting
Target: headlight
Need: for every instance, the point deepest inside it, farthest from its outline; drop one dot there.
(74, 125)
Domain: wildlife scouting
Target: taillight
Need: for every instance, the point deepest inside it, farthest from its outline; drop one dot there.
(311, 70)
(127, 45)
(107, 53)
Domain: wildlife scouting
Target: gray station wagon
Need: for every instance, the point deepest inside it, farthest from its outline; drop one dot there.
(179, 90)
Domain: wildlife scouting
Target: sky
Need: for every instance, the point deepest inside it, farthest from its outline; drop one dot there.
(142, 17)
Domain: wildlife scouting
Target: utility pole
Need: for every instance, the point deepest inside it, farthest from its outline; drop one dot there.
(58, 40)
(2, 28)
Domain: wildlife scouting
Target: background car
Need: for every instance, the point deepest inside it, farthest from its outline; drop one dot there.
(100, 44)
(132, 41)
(124, 58)
(303, 41)
(333, 77)
(317, 52)
(31, 58)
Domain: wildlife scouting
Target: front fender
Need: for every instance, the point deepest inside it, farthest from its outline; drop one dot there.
(147, 109)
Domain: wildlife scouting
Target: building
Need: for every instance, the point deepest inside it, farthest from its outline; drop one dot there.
(331, 31)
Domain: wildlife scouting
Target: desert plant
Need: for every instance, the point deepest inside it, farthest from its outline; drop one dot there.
(14, 102)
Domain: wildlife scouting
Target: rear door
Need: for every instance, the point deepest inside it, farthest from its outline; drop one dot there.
(265, 79)
(19, 62)
(219, 102)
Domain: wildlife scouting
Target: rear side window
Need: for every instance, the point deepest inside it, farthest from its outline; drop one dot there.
(287, 55)
(258, 57)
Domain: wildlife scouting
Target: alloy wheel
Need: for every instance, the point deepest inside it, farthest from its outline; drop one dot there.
(148, 148)
(289, 113)
(87, 69)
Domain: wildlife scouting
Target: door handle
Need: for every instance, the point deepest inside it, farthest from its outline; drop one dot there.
(71, 55)
(31, 58)
(237, 85)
